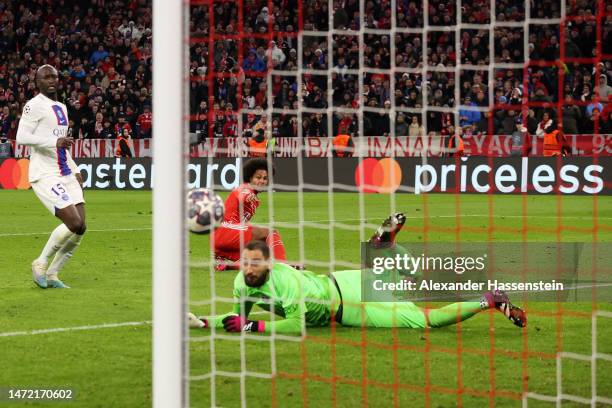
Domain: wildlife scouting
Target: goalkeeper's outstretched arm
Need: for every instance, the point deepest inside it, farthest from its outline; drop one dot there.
(217, 321)
(234, 321)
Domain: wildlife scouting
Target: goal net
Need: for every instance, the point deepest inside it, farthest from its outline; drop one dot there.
(436, 97)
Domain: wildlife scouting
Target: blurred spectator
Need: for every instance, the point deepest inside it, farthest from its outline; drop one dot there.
(230, 128)
(76, 114)
(455, 144)
(401, 127)
(284, 94)
(508, 122)
(275, 54)
(77, 71)
(98, 55)
(515, 97)
(249, 122)
(375, 123)
(98, 125)
(144, 123)
(108, 132)
(519, 139)
(594, 124)
(123, 148)
(275, 128)
(130, 117)
(592, 106)
(542, 99)
(532, 121)
(289, 127)
(468, 117)
(318, 126)
(343, 146)
(345, 124)
(86, 129)
(258, 144)
(555, 143)
(483, 124)
(219, 122)
(200, 122)
(571, 116)
(253, 63)
(261, 124)
(545, 125)
(604, 89)
(6, 149)
(5, 121)
(122, 124)
(415, 129)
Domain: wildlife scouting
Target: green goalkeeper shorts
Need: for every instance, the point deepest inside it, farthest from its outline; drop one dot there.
(374, 314)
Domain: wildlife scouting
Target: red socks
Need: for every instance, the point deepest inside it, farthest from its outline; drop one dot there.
(275, 243)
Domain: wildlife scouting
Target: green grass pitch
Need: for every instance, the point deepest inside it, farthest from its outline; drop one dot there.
(111, 279)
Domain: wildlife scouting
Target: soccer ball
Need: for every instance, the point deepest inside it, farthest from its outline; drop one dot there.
(204, 210)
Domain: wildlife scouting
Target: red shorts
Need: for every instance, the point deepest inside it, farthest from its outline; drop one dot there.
(229, 242)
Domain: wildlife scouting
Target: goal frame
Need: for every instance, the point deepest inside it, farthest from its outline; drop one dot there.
(170, 359)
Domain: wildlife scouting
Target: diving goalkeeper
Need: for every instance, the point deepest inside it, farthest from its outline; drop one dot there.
(305, 299)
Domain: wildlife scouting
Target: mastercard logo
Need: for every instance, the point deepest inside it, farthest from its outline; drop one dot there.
(378, 176)
(14, 174)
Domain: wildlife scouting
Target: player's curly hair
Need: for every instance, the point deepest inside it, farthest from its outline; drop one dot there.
(252, 165)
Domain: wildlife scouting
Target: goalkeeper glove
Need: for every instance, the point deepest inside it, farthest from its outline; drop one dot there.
(197, 322)
(237, 324)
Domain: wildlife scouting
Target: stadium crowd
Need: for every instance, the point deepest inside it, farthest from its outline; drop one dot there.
(102, 51)
(270, 42)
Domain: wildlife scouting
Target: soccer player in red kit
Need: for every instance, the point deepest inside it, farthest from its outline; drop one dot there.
(236, 231)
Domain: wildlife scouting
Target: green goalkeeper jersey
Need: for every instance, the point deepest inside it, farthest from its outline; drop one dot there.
(302, 298)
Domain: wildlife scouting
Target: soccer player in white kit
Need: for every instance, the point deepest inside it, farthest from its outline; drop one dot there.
(53, 175)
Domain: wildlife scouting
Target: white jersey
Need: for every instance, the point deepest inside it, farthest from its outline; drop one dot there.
(42, 122)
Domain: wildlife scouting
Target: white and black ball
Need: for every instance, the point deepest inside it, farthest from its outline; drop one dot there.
(204, 210)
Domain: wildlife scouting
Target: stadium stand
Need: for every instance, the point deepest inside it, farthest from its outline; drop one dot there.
(102, 50)
(544, 44)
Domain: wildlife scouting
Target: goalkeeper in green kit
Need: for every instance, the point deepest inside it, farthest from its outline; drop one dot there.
(304, 299)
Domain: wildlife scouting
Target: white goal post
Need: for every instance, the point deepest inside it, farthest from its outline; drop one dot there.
(169, 233)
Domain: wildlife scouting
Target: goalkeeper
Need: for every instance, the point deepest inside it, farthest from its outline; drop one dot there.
(304, 299)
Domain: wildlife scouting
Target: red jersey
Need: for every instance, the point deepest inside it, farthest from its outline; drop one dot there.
(230, 128)
(240, 207)
(145, 121)
(344, 126)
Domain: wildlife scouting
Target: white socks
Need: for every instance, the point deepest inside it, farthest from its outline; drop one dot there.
(56, 241)
(63, 255)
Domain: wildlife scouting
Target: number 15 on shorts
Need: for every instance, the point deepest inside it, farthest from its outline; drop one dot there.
(60, 191)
